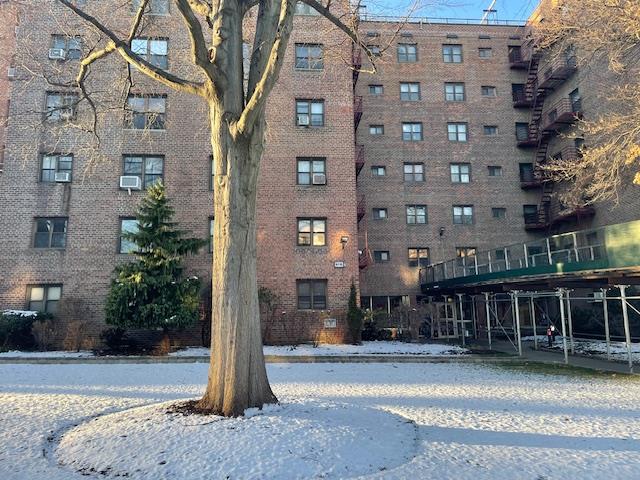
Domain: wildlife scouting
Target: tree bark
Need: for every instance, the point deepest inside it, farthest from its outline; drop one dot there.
(237, 373)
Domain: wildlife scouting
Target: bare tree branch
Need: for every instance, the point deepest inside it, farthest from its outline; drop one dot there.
(198, 45)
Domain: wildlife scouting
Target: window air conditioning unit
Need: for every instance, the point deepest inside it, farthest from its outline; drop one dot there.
(57, 53)
(11, 72)
(130, 182)
(319, 179)
(62, 177)
(597, 297)
(303, 120)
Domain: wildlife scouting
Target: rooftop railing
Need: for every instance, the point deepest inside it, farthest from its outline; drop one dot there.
(365, 17)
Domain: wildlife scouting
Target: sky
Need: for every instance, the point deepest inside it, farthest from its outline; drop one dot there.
(470, 9)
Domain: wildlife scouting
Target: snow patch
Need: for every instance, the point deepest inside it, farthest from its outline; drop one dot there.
(298, 439)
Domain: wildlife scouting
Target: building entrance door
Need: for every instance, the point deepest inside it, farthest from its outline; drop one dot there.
(445, 325)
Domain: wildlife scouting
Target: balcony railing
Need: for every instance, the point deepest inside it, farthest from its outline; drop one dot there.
(517, 60)
(581, 246)
(557, 71)
(529, 178)
(526, 137)
(521, 99)
(361, 208)
(562, 113)
(364, 258)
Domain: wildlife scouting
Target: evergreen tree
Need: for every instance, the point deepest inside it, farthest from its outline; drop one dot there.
(354, 316)
(151, 292)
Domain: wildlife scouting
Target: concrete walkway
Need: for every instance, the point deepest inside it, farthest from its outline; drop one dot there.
(557, 357)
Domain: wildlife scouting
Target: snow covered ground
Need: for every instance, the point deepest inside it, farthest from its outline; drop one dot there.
(367, 348)
(594, 348)
(472, 422)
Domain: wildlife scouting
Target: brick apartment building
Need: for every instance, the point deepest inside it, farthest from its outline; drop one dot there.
(364, 179)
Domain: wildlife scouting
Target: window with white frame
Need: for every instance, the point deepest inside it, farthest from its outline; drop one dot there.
(70, 46)
(376, 89)
(485, 52)
(488, 91)
(378, 171)
(407, 52)
(376, 129)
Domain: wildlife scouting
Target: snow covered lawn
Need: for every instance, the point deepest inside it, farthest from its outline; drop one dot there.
(469, 422)
(367, 348)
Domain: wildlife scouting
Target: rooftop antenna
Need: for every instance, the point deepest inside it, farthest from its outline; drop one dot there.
(489, 14)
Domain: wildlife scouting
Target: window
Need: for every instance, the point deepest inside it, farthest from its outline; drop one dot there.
(378, 171)
(463, 214)
(412, 132)
(498, 212)
(149, 168)
(457, 132)
(490, 130)
(376, 129)
(145, 111)
(418, 257)
(71, 46)
(55, 163)
(452, 53)
(380, 214)
(576, 101)
(526, 172)
(522, 131)
(488, 91)
(407, 53)
(485, 52)
(381, 256)
(311, 171)
(414, 172)
(153, 50)
(43, 298)
(530, 213)
(454, 92)
(376, 89)
(312, 232)
(127, 226)
(310, 113)
(61, 106)
(464, 252)
(304, 9)
(312, 294)
(416, 214)
(50, 233)
(495, 171)
(518, 92)
(375, 50)
(309, 56)
(460, 172)
(409, 91)
(211, 226)
(154, 7)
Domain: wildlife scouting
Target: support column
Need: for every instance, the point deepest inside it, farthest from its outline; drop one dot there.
(488, 313)
(532, 307)
(625, 318)
(514, 299)
(464, 340)
(570, 320)
(474, 317)
(564, 328)
(605, 309)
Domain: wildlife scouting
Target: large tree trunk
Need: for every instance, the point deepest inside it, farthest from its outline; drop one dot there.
(237, 373)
